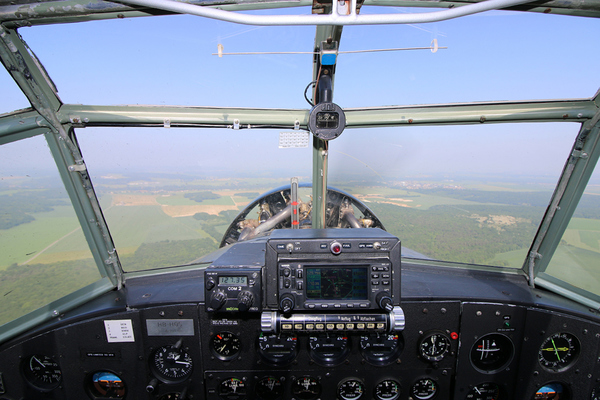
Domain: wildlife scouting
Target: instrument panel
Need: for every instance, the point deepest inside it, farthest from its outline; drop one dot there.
(441, 337)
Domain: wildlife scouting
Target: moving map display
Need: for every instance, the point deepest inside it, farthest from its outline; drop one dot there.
(333, 283)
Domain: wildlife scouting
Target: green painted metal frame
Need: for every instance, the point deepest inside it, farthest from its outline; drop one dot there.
(32, 79)
(56, 121)
(578, 169)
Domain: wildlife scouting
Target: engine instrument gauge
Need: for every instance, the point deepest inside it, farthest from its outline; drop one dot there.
(424, 389)
(387, 390)
(269, 388)
(171, 364)
(558, 351)
(306, 388)
(329, 348)
(350, 389)
(42, 372)
(106, 385)
(434, 346)
(225, 345)
(232, 388)
(484, 391)
(492, 352)
(278, 349)
(381, 348)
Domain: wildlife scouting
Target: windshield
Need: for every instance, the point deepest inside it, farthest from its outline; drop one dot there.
(170, 137)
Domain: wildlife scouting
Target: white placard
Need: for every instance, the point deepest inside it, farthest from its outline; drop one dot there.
(119, 330)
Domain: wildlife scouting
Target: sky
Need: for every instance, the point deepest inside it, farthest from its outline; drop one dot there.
(168, 61)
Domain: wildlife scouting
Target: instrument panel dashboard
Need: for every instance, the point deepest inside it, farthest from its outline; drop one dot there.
(472, 335)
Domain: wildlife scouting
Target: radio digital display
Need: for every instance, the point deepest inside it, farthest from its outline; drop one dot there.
(337, 283)
(233, 280)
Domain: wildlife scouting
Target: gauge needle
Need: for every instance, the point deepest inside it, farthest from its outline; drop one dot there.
(182, 362)
(555, 350)
(41, 363)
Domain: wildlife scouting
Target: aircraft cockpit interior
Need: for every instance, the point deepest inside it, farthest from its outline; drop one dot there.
(299, 200)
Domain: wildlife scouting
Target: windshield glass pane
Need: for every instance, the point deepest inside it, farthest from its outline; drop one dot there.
(169, 60)
(470, 194)
(483, 61)
(169, 195)
(43, 253)
(577, 257)
(12, 98)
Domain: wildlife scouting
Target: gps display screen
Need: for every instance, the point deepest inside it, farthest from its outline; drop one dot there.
(337, 283)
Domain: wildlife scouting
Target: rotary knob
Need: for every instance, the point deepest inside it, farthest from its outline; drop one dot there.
(384, 301)
(217, 300)
(245, 300)
(287, 304)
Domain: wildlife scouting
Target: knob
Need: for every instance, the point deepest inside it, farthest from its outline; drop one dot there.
(217, 299)
(287, 304)
(245, 300)
(384, 301)
(151, 387)
(210, 283)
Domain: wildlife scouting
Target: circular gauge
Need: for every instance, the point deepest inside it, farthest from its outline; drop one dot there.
(424, 389)
(552, 391)
(350, 389)
(232, 388)
(42, 372)
(306, 388)
(171, 364)
(225, 345)
(434, 346)
(492, 352)
(106, 385)
(484, 391)
(269, 388)
(558, 351)
(278, 349)
(329, 349)
(387, 390)
(381, 348)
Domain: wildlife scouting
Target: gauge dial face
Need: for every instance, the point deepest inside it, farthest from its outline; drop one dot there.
(424, 389)
(434, 346)
(381, 348)
(552, 391)
(351, 389)
(484, 391)
(42, 372)
(171, 364)
(225, 345)
(105, 384)
(329, 349)
(269, 388)
(387, 390)
(306, 388)
(492, 352)
(559, 351)
(278, 349)
(232, 388)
